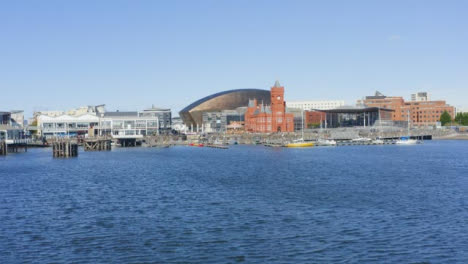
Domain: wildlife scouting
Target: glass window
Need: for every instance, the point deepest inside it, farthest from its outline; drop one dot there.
(82, 125)
(152, 123)
(141, 123)
(130, 124)
(117, 124)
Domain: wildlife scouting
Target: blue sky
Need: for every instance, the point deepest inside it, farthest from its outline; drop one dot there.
(132, 54)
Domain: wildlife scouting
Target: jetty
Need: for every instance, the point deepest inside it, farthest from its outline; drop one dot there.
(64, 149)
(97, 144)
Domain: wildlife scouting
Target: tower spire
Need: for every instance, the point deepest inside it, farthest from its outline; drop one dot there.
(277, 84)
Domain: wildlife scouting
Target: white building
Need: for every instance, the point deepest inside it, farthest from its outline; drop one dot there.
(65, 125)
(128, 125)
(315, 105)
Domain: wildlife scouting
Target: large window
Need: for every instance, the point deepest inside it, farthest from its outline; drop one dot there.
(153, 124)
(82, 125)
(141, 123)
(117, 124)
(106, 124)
(130, 124)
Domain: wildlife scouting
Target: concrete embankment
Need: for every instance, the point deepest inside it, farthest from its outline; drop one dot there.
(457, 136)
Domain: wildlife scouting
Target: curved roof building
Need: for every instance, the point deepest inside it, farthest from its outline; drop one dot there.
(227, 100)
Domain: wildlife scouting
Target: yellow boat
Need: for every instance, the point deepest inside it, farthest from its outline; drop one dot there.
(300, 145)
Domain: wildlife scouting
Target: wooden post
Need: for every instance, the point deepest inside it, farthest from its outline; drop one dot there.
(64, 149)
(3, 148)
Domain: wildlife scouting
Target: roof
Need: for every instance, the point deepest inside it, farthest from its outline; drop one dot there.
(121, 114)
(277, 84)
(353, 109)
(8, 127)
(157, 109)
(204, 99)
(68, 118)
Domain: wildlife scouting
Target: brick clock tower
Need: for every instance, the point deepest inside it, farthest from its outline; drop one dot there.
(269, 119)
(278, 109)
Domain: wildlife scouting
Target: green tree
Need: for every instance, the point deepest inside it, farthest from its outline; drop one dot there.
(445, 118)
(459, 118)
(464, 119)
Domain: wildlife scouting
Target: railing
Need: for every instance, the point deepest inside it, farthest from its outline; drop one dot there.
(17, 141)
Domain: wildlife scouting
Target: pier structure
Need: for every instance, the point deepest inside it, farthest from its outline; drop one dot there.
(97, 144)
(12, 140)
(64, 149)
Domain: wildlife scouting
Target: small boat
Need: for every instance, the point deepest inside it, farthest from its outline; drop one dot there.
(361, 139)
(406, 141)
(326, 142)
(300, 143)
(377, 141)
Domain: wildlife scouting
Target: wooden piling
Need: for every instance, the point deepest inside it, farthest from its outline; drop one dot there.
(64, 149)
(3, 148)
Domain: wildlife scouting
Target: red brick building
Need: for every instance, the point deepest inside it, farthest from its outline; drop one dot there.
(313, 119)
(269, 118)
(421, 113)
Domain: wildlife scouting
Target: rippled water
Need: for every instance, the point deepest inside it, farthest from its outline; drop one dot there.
(251, 204)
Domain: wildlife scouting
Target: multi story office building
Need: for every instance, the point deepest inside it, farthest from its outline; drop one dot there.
(420, 113)
(164, 118)
(315, 105)
(221, 121)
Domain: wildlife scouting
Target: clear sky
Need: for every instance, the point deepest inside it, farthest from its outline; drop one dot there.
(55, 55)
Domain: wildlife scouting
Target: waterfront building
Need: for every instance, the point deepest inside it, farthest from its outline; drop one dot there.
(264, 118)
(127, 125)
(315, 105)
(94, 119)
(10, 133)
(164, 116)
(314, 119)
(5, 118)
(349, 116)
(221, 121)
(421, 113)
(178, 125)
(17, 118)
(65, 125)
(214, 122)
(192, 115)
(77, 112)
